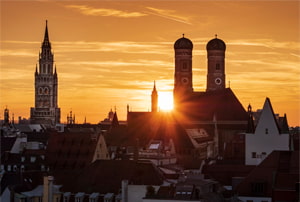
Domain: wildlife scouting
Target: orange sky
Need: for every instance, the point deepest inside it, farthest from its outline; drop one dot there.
(109, 53)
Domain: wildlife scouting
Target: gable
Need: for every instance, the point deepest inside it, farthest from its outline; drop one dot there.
(267, 122)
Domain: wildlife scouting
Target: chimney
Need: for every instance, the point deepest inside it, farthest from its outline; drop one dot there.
(48, 189)
(124, 190)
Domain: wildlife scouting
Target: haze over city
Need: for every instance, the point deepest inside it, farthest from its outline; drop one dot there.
(108, 54)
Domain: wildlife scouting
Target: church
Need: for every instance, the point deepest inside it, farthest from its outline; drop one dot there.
(46, 110)
(208, 124)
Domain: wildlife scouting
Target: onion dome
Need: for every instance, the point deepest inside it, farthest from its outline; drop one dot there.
(216, 44)
(183, 43)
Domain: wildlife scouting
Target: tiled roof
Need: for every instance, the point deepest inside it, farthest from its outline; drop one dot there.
(7, 143)
(22, 182)
(105, 176)
(223, 104)
(279, 170)
(224, 173)
(71, 150)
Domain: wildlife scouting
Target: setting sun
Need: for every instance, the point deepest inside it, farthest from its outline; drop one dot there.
(165, 101)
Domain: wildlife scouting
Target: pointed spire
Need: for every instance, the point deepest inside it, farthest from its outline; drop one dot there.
(46, 37)
(154, 99)
(249, 108)
(46, 41)
(115, 121)
(154, 86)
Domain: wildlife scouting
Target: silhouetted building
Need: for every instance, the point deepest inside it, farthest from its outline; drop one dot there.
(215, 116)
(276, 178)
(46, 110)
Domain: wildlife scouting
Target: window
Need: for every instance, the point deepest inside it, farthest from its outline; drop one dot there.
(46, 91)
(258, 188)
(253, 154)
(266, 131)
(32, 159)
(184, 66)
(217, 66)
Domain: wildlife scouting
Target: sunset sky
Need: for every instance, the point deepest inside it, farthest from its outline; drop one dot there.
(108, 53)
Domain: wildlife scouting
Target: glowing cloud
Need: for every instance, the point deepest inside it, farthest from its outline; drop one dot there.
(168, 14)
(87, 10)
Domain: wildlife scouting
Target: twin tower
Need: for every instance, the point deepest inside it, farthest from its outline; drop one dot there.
(183, 78)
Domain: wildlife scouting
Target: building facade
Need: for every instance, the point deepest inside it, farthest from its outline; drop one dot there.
(266, 137)
(46, 110)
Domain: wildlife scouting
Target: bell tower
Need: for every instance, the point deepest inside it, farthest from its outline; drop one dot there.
(215, 64)
(46, 110)
(183, 78)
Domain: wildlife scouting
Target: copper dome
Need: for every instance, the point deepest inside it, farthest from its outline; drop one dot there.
(183, 43)
(216, 44)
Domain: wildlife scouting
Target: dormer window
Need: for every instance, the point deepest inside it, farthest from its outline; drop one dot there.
(66, 196)
(32, 159)
(79, 197)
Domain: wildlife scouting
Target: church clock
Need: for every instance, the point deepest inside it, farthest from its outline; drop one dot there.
(215, 64)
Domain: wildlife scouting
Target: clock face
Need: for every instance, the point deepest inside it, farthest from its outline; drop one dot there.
(184, 80)
(218, 81)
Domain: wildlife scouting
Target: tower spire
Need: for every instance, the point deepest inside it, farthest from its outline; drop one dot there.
(46, 37)
(154, 99)
(46, 41)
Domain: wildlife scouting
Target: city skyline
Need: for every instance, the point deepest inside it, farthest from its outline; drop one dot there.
(108, 54)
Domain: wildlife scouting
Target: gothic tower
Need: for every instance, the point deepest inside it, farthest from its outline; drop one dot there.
(183, 83)
(154, 99)
(215, 64)
(46, 110)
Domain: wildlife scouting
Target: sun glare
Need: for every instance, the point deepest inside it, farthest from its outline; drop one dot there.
(165, 101)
